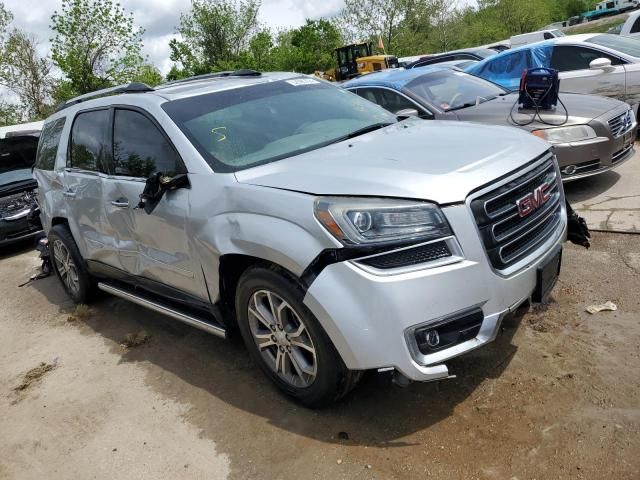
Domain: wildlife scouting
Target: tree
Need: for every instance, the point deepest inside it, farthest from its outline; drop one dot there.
(443, 16)
(24, 72)
(366, 19)
(214, 34)
(307, 48)
(149, 75)
(10, 114)
(96, 45)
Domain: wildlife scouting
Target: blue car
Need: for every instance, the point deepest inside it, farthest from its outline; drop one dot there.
(599, 64)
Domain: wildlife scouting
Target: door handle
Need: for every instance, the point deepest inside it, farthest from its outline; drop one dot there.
(69, 193)
(120, 203)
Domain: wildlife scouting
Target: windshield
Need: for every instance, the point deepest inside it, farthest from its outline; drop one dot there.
(615, 30)
(628, 46)
(450, 90)
(249, 126)
(17, 155)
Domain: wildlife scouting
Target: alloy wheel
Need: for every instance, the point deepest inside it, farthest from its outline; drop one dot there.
(282, 338)
(66, 267)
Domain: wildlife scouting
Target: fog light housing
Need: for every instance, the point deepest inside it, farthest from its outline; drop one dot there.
(449, 332)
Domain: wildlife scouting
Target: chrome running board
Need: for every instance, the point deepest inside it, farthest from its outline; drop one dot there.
(166, 310)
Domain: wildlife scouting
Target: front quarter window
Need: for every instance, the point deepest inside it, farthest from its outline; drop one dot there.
(244, 127)
(48, 144)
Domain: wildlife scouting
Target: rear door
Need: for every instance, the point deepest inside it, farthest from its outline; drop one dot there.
(156, 245)
(572, 61)
(87, 160)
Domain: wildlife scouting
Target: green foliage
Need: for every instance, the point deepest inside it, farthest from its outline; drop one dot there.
(214, 35)
(149, 75)
(63, 90)
(96, 44)
(10, 114)
(24, 72)
(307, 48)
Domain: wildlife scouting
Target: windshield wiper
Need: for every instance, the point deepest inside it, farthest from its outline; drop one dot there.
(367, 129)
(464, 105)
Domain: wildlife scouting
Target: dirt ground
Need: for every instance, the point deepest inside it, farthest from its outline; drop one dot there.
(116, 391)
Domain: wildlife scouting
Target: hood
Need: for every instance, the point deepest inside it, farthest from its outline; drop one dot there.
(581, 108)
(431, 160)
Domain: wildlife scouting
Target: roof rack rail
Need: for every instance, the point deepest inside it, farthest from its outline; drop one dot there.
(133, 87)
(243, 72)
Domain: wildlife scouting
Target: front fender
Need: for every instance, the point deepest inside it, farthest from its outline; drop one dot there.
(274, 225)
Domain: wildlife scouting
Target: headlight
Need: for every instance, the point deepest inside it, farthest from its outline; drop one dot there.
(574, 133)
(371, 221)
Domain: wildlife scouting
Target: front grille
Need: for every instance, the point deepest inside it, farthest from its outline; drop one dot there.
(621, 123)
(508, 237)
(409, 256)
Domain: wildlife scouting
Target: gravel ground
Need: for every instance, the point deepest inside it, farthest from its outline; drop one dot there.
(115, 391)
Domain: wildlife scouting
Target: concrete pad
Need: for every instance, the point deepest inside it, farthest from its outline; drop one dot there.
(609, 201)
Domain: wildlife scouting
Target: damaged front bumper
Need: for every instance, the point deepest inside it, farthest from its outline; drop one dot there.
(372, 319)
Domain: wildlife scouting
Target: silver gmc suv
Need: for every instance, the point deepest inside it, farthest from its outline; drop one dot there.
(334, 236)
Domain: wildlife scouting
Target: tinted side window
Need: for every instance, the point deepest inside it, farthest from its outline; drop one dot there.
(507, 68)
(48, 144)
(566, 58)
(387, 99)
(140, 149)
(635, 28)
(89, 147)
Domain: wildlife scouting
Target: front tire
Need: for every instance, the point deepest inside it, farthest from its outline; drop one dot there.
(287, 341)
(69, 265)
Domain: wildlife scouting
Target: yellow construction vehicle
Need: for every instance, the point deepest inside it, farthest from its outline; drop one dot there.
(356, 59)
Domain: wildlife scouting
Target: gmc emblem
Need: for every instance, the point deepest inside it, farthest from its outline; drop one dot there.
(534, 200)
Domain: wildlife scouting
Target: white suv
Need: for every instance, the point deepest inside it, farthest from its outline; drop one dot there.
(336, 238)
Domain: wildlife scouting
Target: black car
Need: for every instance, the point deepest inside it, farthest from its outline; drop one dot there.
(469, 54)
(18, 207)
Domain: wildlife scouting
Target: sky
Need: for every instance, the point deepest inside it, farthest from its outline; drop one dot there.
(160, 17)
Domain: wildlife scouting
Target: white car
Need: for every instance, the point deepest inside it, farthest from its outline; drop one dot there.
(532, 37)
(630, 28)
(599, 64)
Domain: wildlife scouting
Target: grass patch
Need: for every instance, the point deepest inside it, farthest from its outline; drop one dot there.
(33, 376)
(133, 340)
(594, 27)
(80, 313)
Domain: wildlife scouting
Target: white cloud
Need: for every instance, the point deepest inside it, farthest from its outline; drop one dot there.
(160, 17)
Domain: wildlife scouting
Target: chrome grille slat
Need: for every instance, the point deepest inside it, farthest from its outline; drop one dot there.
(529, 221)
(508, 237)
(533, 174)
(620, 124)
(524, 234)
(549, 177)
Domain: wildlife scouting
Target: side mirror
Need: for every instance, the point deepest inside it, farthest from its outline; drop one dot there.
(156, 186)
(600, 64)
(406, 113)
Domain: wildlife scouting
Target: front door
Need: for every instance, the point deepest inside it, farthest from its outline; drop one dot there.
(576, 77)
(151, 245)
